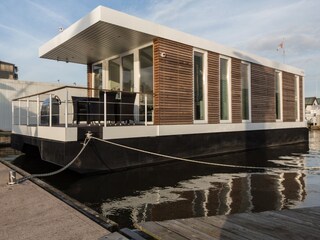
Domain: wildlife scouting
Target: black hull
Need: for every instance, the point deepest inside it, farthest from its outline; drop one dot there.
(100, 156)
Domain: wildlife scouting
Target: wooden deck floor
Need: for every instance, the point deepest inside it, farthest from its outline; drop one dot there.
(303, 223)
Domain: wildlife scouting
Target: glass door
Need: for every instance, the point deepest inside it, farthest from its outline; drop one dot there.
(97, 79)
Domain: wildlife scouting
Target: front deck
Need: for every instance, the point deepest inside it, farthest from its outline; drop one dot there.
(64, 113)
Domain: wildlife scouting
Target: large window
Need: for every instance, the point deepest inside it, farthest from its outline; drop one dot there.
(296, 98)
(127, 73)
(97, 79)
(245, 91)
(225, 89)
(278, 95)
(198, 86)
(146, 82)
(114, 74)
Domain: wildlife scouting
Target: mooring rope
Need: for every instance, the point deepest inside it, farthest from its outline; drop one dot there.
(85, 144)
(89, 137)
(197, 161)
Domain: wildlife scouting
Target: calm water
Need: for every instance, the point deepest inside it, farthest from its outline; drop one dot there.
(183, 190)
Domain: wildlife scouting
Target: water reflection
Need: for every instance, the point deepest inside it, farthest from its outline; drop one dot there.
(183, 190)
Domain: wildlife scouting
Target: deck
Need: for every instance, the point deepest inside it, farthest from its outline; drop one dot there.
(303, 223)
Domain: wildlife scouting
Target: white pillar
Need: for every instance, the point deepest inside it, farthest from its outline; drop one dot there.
(19, 112)
(66, 110)
(27, 111)
(105, 108)
(12, 113)
(38, 109)
(50, 110)
(145, 110)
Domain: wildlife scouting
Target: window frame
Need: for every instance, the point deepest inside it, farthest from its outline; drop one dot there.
(229, 120)
(205, 85)
(103, 77)
(249, 91)
(280, 98)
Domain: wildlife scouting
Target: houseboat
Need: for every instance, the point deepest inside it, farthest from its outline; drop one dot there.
(156, 89)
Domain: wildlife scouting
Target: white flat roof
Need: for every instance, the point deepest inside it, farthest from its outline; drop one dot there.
(105, 32)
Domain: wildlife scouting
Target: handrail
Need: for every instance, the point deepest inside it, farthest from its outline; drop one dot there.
(75, 87)
(108, 109)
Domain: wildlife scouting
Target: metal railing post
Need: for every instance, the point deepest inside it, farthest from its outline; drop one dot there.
(66, 110)
(50, 110)
(12, 113)
(145, 110)
(38, 110)
(105, 108)
(19, 112)
(27, 111)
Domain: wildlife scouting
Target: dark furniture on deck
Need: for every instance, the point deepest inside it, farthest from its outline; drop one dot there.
(120, 108)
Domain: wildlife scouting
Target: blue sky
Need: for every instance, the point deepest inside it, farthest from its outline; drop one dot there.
(253, 26)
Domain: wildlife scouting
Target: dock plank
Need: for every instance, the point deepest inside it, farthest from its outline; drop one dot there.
(251, 222)
(315, 211)
(297, 217)
(185, 230)
(296, 224)
(159, 232)
(275, 226)
(211, 230)
(237, 228)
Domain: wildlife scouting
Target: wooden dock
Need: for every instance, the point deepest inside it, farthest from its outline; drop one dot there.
(303, 223)
(29, 212)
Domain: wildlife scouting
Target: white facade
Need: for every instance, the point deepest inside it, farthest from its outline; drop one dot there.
(11, 89)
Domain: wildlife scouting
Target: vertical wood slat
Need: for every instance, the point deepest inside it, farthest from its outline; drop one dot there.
(213, 88)
(288, 97)
(236, 90)
(173, 82)
(262, 94)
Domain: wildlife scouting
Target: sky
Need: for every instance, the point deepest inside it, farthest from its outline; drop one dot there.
(252, 26)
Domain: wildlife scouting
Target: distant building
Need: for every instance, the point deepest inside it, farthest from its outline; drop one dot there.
(312, 110)
(13, 89)
(8, 71)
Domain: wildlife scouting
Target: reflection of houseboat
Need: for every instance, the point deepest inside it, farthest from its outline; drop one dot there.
(160, 90)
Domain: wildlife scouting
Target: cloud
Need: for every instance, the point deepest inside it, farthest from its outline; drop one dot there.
(20, 33)
(50, 13)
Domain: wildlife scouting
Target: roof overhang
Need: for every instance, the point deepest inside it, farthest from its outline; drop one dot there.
(104, 33)
(94, 38)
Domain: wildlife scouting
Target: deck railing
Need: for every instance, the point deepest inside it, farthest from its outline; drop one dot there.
(72, 106)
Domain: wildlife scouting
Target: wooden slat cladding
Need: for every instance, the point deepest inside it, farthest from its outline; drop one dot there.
(262, 94)
(173, 84)
(301, 97)
(236, 90)
(288, 97)
(213, 88)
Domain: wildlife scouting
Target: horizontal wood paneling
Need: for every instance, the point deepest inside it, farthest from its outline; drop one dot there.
(213, 88)
(236, 90)
(173, 84)
(262, 94)
(288, 98)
